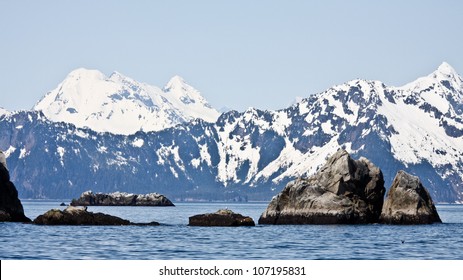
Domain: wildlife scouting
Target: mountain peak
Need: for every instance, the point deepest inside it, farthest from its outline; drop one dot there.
(121, 78)
(445, 71)
(122, 105)
(116, 74)
(175, 82)
(3, 111)
(85, 73)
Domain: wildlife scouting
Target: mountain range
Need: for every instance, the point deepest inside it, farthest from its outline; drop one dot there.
(121, 105)
(73, 141)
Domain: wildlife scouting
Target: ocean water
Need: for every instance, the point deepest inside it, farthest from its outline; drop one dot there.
(175, 240)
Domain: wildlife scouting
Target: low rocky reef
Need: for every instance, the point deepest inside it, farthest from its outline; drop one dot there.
(79, 216)
(89, 198)
(221, 218)
(347, 191)
(11, 209)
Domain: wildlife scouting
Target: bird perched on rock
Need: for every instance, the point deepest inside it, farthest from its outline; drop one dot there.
(3, 159)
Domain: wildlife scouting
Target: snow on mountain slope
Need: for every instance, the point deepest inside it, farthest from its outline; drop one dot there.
(121, 105)
(3, 112)
(417, 127)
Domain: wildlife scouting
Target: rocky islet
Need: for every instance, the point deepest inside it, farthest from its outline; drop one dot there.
(347, 191)
(343, 191)
(221, 218)
(73, 215)
(408, 202)
(90, 198)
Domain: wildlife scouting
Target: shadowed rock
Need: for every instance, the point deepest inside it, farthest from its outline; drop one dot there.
(221, 218)
(408, 202)
(80, 216)
(3, 160)
(11, 209)
(343, 191)
(89, 198)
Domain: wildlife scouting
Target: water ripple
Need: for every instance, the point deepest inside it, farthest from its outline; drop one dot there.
(175, 240)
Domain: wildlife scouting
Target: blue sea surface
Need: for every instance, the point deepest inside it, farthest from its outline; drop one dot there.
(174, 239)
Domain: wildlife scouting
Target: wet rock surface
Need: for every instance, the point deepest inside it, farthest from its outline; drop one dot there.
(221, 218)
(80, 216)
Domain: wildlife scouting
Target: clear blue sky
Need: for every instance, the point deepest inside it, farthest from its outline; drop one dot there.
(237, 53)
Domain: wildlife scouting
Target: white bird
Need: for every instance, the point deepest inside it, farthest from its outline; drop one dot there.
(3, 159)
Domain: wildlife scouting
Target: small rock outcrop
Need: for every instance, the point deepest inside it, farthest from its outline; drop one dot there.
(89, 198)
(343, 191)
(11, 209)
(221, 218)
(408, 202)
(76, 216)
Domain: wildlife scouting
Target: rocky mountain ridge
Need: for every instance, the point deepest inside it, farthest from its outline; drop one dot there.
(121, 105)
(253, 154)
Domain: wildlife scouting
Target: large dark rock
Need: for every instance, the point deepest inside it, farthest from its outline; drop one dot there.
(89, 198)
(80, 216)
(343, 191)
(408, 202)
(77, 216)
(221, 218)
(11, 209)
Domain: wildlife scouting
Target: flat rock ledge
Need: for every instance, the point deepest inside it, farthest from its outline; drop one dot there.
(343, 191)
(221, 218)
(89, 198)
(76, 216)
(408, 202)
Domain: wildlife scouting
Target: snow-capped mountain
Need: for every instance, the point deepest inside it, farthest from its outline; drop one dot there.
(121, 105)
(3, 111)
(421, 121)
(417, 127)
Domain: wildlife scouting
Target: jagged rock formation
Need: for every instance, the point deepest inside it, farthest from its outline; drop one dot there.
(408, 202)
(11, 209)
(221, 218)
(343, 191)
(89, 198)
(80, 216)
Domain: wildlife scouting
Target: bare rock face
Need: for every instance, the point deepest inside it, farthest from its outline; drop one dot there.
(408, 202)
(221, 218)
(89, 198)
(3, 159)
(11, 209)
(343, 191)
